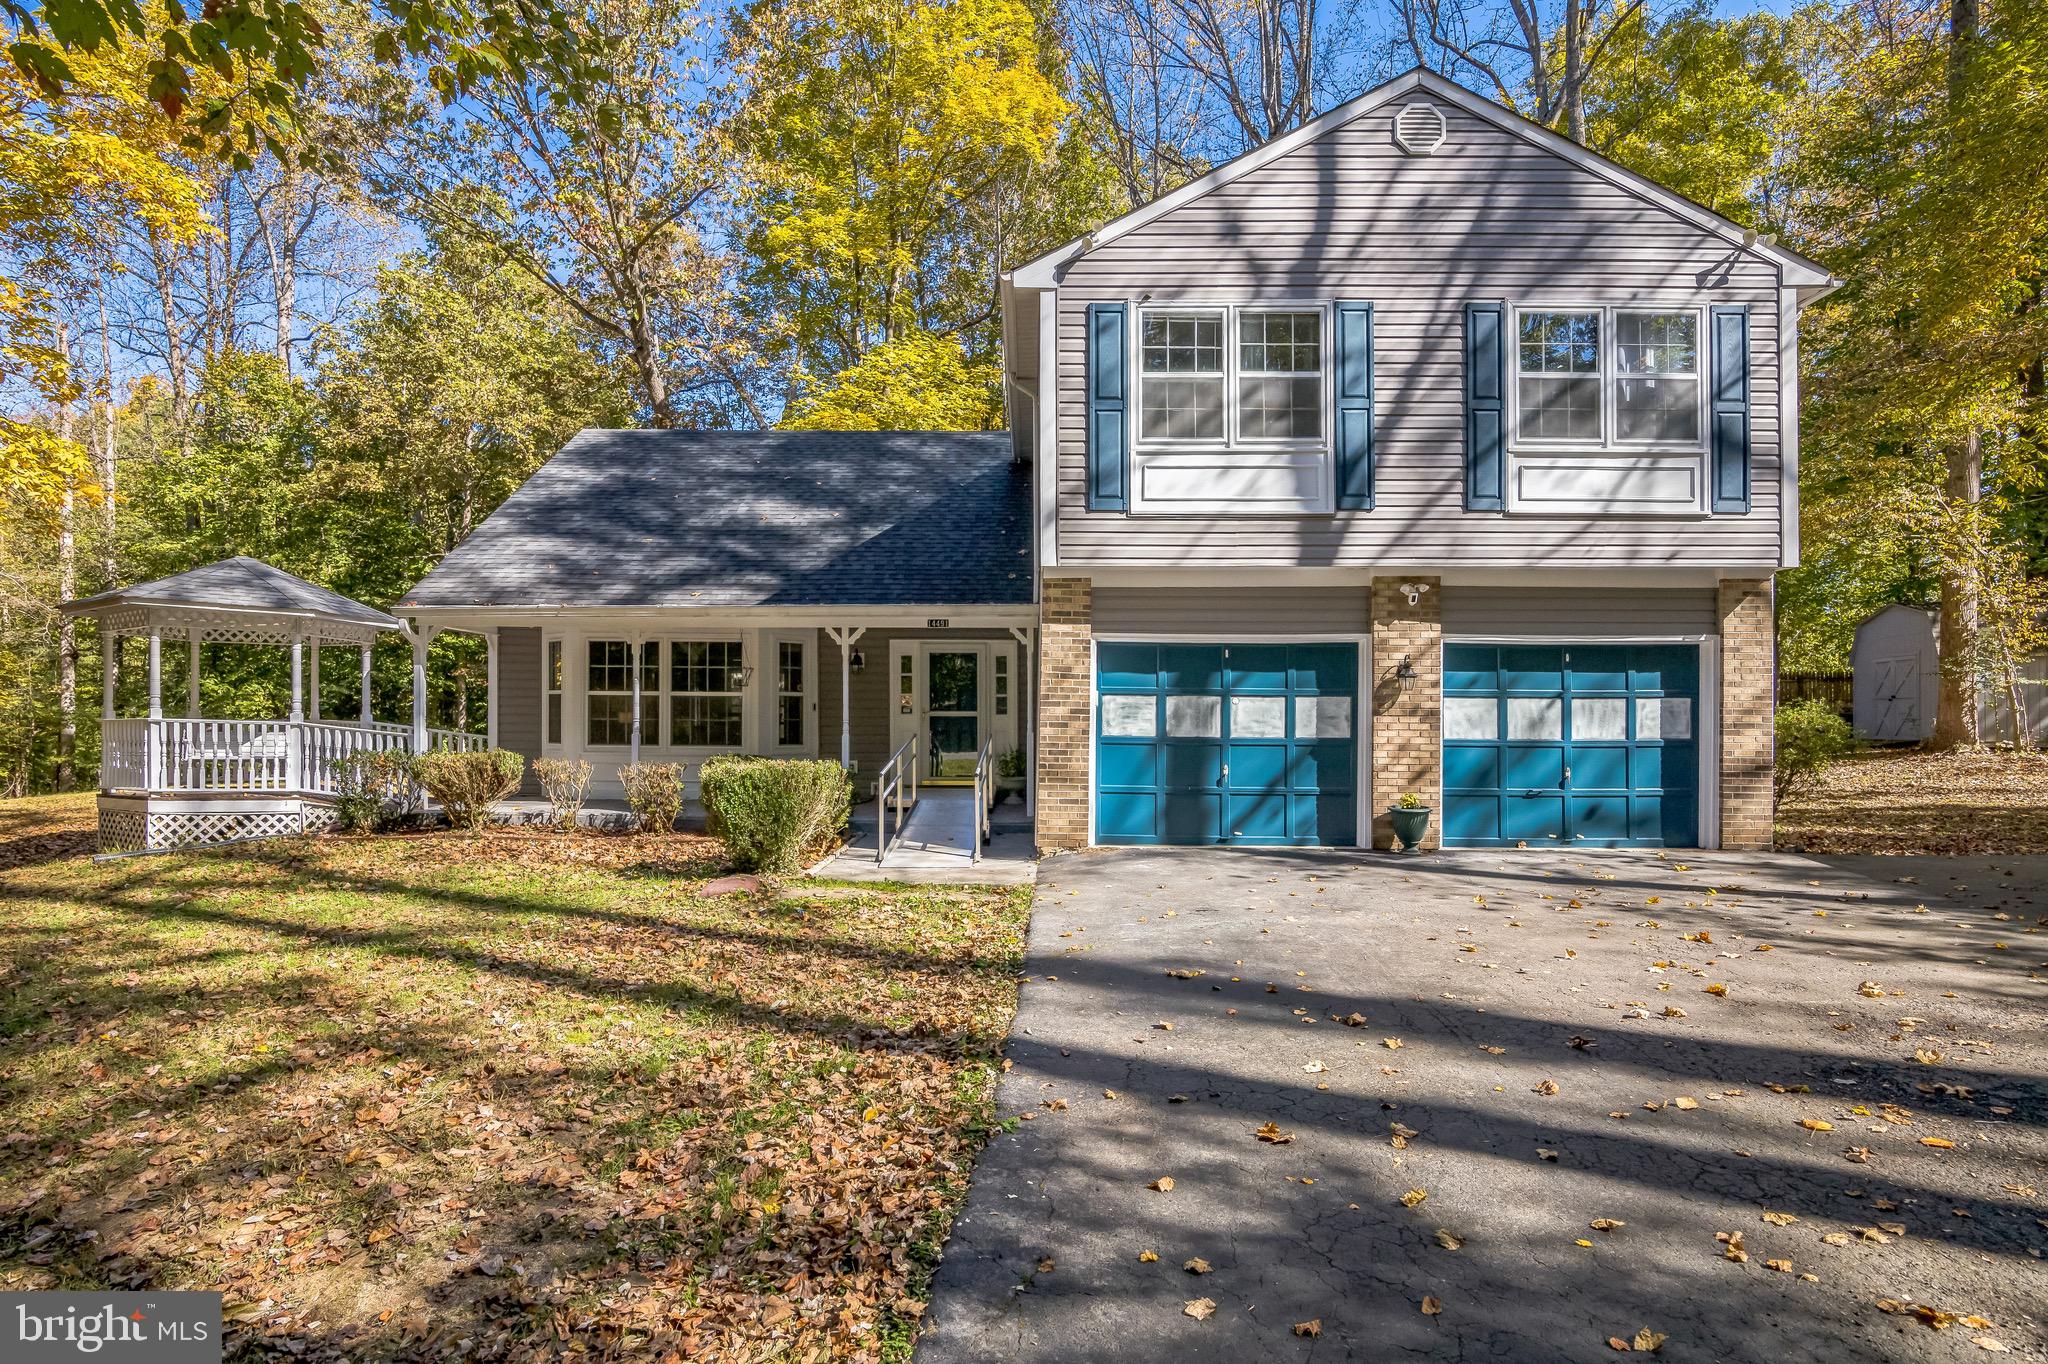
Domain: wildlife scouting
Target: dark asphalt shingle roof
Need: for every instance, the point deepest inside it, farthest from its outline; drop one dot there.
(238, 584)
(757, 518)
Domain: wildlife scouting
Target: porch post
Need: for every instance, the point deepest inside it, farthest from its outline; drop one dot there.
(152, 761)
(633, 661)
(1027, 693)
(313, 683)
(365, 710)
(110, 658)
(491, 687)
(419, 688)
(192, 673)
(845, 637)
(298, 711)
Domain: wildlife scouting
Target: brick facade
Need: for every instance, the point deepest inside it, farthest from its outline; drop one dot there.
(1407, 715)
(1748, 756)
(1066, 719)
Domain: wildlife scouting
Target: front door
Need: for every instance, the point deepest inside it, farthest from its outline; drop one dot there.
(953, 731)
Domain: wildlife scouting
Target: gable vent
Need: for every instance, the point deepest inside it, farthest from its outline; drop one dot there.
(1419, 129)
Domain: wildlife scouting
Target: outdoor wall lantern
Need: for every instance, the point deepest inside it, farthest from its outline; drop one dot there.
(1406, 672)
(856, 660)
(741, 676)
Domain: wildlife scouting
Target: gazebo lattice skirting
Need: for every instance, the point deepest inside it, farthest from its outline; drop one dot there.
(183, 781)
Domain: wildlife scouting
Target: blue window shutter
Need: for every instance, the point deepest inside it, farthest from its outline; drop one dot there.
(1354, 407)
(1728, 413)
(1485, 412)
(1109, 428)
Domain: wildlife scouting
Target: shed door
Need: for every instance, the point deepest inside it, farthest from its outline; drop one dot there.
(1591, 745)
(1237, 743)
(1898, 700)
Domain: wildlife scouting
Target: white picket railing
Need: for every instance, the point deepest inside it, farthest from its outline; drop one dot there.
(184, 755)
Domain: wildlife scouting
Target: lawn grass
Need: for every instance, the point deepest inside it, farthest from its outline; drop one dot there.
(515, 1095)
(1970, 802)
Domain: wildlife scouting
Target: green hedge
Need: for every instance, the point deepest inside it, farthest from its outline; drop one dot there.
(775, 814)
(1810, 739)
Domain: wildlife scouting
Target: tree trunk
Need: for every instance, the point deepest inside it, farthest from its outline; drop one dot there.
(647, 365)
(1955, 714)
(1574, 72)
(106, 453)
(67, 588)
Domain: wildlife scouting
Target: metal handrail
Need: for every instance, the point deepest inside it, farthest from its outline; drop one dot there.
(984, 793)
(901, 769)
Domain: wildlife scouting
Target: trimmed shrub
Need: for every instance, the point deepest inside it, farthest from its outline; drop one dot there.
(376, 792)
(654, 793)
(467, 785)
(775, 814)
(1811, 738)
(566, 785)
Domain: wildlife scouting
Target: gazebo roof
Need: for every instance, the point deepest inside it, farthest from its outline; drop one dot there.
(238, 600)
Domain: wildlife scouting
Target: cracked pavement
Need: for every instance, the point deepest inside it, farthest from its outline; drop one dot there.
(1457, 955)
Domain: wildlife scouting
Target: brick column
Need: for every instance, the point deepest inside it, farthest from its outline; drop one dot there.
(1407, 716)
(1066, 718)
(1748, 695)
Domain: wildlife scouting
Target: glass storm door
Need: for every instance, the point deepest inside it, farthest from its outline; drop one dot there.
(952, 692)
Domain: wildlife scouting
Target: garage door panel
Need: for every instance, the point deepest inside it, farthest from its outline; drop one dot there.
(1128, 765)
(1324, 817)
(1258, 667)
(1533, 816)
(1192, 817)
(1538, 767)
(1260, 818)
(1190, 766)
(1127, 667)
(1127, 816)
(1625, 764)
(1331, 767)
(1188, 668)
(1259, 766)
(1324, 672)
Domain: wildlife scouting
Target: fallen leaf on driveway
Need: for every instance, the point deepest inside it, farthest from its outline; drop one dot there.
(1315, 1068)
(1782, 1266)
(1648, 1341)
(1685, 1102)
(1186, 973)
(1544, 1087)
(1606, 1224)
(1198, 1265)
(1414, 1198)
(1201, 1309)
(1816, 1124)
(1731, 1243)
(1780, 1219)
(1163, 1184)
(1391, 1043)
(1314, 1328)
(1045, 1266)
(1939, 1143)
(1449, 1240)
(1717, 989)
(1992, 1344)
(1432, 1307)
(1148, 1257)
(1270, 1132)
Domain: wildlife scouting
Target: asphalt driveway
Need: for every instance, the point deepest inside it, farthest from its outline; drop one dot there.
(1518, 1104)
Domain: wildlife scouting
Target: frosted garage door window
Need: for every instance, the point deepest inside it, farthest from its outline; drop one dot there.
(1471, 717)
(1194, 717)
(1535, 717)
(1663, 717)
(1130, 717)
(1596, 718)
(1258, 717)
(1322, 717)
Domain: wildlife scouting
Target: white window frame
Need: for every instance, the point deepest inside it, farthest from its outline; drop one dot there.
(669, 692)
(635, 658)
(1609, 377)
(772, 643)
(1233, 437)
(554, 687)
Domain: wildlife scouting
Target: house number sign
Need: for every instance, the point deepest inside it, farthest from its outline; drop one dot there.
(937, 623)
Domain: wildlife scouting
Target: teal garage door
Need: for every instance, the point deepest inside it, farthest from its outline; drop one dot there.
(1575, 745)
(1226, 743)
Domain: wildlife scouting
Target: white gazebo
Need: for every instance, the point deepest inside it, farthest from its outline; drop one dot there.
(178, 781)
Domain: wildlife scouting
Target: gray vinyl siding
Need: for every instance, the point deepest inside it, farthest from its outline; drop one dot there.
(1239, 612)
(874, 697)
(1490, 217)
(519, 698)
(1577, 613)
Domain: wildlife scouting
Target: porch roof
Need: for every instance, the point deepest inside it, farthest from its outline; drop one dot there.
(727, 519)
(238, 599)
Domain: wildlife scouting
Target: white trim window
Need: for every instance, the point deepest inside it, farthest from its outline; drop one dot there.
(608, 693)
(1226, 375)
(707, 682)
(1596, 378)
(790, 693)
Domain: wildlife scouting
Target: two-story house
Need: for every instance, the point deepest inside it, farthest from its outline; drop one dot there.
(1418, 452)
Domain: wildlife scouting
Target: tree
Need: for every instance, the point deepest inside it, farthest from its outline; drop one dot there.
(1535, 57)
(915, 382)
(589, 174)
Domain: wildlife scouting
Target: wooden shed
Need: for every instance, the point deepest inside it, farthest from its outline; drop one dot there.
(1896, 671)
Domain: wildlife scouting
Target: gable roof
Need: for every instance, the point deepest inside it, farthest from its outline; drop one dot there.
(1809, 277)
(240, 584)
(753, 519)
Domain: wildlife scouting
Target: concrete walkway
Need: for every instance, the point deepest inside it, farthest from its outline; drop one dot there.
(1491, 1107)
(937, 845)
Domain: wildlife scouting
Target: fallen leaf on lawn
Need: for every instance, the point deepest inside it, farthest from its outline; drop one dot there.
(1414, 1198)
(1431, 1307)
(1148, 1257)
(1164, 1184)
(1201, 1309)
(1544, 1087)
(1449, 1240)
(1816, 1124)
(1198, 1265)
(1606, 1224)
(1311, 1329)
(1939, 1143)
(1270, 1132)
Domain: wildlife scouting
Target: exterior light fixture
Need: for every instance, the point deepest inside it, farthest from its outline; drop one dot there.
(856, 660)
(741, 676)
(1414, 591)
(1406, 672)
